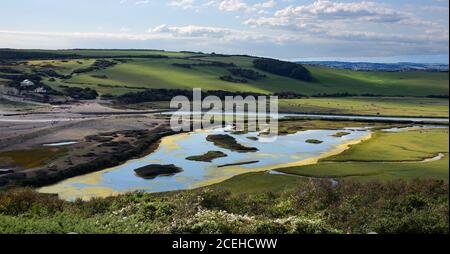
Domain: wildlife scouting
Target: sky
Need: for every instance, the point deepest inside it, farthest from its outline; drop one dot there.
(355, 30)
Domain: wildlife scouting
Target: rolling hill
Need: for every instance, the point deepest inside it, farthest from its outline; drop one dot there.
(142, 69)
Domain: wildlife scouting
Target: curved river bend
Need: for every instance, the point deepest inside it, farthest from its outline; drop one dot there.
(287, 150)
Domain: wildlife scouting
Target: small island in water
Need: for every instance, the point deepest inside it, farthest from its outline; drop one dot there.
(314, 141)
(230, 143)
(207, 157)
(341, 134)
(155, 170)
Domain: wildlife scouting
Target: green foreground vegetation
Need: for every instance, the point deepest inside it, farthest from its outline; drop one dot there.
(309, 208)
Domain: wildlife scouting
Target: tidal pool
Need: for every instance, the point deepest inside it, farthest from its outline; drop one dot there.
(289, 150)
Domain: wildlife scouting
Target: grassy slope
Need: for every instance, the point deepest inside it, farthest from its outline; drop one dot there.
(368, 106)
(63, 67)
(389, 83)
(138, 74)
(330, 80)
(160, 73)
(362, 161)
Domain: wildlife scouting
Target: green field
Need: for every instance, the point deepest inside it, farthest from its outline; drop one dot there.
(160, 73)
(64, 67)
(138, 73)
(387, 156)
(368, 106)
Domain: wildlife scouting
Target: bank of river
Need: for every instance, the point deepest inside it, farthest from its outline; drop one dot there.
(289, 150)
(420, 120)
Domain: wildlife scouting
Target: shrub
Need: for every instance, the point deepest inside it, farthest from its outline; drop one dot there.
(27, 201)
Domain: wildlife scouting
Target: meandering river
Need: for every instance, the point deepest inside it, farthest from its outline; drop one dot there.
(289, 150)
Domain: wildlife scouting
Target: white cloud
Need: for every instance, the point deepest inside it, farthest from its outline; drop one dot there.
(265, 5)
(142, 2)
(239, 5)
(324, 9)
(436, 9)
(193, 31)
(233, 5)
(185, 4)
(319, 28)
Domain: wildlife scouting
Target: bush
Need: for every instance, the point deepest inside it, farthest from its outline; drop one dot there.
(81, 93)
(246, 73)
(282, 68)
(313, 208)
(27, 201)
(232, 79)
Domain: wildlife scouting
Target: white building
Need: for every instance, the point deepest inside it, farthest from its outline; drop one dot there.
(26, 83)
(40, 90)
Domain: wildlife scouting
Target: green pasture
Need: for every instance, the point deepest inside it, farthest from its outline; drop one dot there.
(407, 106)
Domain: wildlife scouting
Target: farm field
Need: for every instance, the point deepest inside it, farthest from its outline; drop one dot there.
(136, 70)
(160, 73)
(368, 106)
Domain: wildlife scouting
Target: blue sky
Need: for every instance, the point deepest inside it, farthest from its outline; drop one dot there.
(381, 31)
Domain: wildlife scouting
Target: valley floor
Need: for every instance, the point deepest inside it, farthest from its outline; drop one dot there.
(407, 168)
(385, 106)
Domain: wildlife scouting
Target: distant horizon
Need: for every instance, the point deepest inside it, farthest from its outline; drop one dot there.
(376, 31)
(423, 59)
(438, 59)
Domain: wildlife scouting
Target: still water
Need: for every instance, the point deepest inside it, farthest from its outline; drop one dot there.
(285, 151)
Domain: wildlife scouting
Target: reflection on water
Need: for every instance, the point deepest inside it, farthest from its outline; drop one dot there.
(174, 150)
(67, 143)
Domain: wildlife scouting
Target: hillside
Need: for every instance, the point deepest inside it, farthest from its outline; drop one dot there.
(135, 70)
